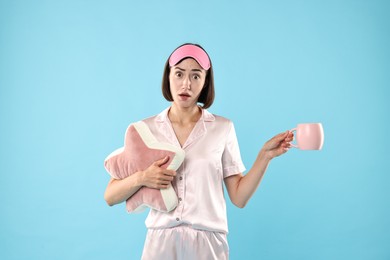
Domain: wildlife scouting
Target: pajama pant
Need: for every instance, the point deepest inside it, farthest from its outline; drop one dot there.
(185, 243)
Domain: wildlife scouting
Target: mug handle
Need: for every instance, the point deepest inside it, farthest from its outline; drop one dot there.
(294, 145)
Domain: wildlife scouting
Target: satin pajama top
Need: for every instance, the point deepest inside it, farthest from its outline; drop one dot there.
(211, 154)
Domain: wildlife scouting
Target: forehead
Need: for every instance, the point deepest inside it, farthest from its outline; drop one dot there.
(188, 64)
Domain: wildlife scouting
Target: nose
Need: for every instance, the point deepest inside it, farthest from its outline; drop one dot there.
(187, 83)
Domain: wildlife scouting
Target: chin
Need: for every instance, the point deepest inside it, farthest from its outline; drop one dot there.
(184, 104)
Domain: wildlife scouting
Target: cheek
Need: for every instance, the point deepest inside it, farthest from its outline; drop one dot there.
(172, 89)
(173, 84)
(200, 86)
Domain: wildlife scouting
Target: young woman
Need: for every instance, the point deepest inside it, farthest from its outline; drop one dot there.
(197, 227)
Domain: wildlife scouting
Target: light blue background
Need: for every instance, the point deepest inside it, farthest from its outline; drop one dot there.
(74, 74)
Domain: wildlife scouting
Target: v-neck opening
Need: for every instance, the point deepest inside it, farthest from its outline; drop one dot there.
(190, 137)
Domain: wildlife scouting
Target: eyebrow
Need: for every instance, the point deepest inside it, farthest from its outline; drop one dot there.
(185, 70)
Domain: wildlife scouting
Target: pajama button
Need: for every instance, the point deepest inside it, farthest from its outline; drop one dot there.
(180, 178)
(179, 199)
(177, 219)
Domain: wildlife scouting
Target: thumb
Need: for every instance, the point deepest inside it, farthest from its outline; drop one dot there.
(161, 161)
(281, 136)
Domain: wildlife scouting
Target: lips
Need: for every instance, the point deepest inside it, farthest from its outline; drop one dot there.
(184, 96)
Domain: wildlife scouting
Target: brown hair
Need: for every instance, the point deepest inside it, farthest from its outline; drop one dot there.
(206, 95)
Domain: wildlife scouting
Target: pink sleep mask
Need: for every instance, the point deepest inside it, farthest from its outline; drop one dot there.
(192, 51)
(141, 149)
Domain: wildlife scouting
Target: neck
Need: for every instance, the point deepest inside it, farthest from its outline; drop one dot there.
(184, 115)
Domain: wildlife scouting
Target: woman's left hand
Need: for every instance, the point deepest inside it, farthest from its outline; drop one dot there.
(278, 145)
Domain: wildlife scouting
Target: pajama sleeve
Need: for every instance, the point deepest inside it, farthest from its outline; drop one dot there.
(231, 157)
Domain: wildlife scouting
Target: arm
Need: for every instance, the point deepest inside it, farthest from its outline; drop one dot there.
(241, 188)
(154, 177)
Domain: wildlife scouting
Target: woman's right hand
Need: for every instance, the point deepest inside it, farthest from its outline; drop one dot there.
(156, 177)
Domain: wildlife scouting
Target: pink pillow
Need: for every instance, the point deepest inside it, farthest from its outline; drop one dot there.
(141, 149)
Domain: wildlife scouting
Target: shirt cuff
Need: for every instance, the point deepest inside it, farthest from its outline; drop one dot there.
(233, 170)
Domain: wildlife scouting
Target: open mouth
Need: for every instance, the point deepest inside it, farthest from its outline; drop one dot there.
(184, 96)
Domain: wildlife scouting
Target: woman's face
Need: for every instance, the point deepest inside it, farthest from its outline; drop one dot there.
(186, 80)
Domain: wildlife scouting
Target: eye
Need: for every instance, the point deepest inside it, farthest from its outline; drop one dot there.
(196, 76)
(178, 74)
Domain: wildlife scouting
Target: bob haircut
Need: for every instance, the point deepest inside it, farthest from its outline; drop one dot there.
(207, 94)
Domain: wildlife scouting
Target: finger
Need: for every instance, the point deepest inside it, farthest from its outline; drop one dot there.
(164, 186)
(166, 178)
(287, 146)
(160, 186)
(161, 161)
(290, 136)
(169, 172)
(280, 137)
(164, 182)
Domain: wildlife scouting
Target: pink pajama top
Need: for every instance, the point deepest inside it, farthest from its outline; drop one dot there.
(212, 154)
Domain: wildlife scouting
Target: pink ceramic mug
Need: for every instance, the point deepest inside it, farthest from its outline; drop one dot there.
(309, 136)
